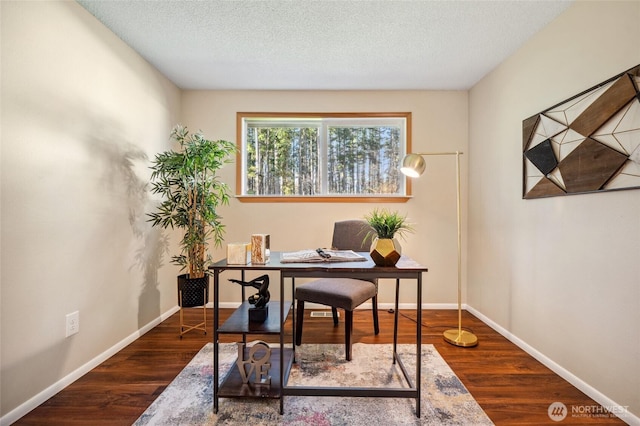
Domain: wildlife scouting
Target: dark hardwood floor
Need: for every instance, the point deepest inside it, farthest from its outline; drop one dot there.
(511, 386)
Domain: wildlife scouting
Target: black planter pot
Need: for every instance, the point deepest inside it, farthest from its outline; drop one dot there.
(195, 291)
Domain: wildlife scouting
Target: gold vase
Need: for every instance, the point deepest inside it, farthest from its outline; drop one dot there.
(385, 251)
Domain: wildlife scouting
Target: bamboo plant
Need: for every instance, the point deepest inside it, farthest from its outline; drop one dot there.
(191, 193)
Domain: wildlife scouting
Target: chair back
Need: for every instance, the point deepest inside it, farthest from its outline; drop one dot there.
(351, 234)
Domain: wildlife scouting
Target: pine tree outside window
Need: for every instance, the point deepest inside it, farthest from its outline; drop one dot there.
(322, 157)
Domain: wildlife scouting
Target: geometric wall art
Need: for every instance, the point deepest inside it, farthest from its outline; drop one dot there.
(588, 143)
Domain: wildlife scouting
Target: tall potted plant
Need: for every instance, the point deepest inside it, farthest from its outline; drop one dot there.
(385, 248)
(191, 192)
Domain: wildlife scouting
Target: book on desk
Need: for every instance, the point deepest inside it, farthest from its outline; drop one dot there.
(321, 255)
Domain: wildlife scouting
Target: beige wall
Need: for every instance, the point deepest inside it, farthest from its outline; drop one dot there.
(80, 112)
(561, 274)
(439, 124)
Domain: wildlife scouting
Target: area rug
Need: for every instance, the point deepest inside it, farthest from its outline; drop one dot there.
(188, 400)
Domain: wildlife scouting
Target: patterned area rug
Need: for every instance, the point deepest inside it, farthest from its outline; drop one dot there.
(188, 400)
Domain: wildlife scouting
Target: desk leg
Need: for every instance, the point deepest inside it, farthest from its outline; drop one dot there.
(395, 322)
(282, 344)
(216, 322)
(294, 317)
(243, 279)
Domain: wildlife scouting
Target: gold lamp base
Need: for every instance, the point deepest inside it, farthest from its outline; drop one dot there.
(460, 338)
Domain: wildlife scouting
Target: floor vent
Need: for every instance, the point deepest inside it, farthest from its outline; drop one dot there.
(322, 314)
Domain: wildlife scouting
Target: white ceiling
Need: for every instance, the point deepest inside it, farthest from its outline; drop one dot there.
(323, 44)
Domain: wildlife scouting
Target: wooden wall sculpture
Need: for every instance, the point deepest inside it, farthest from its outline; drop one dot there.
(588, 143)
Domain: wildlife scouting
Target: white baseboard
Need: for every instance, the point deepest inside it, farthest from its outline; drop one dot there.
(589, 390)
(24, 408)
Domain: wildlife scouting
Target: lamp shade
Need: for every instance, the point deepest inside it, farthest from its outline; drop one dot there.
(413, 165)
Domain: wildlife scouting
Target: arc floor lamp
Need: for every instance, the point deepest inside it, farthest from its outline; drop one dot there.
(413, 165)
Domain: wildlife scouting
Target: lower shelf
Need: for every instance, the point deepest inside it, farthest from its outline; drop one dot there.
(232, 386)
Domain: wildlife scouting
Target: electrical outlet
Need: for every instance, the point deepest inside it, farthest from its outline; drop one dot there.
(73, 323)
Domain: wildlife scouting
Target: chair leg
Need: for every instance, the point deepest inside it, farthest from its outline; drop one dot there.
(348, 329)
(374, 304)
(299, 318)
(334, 312)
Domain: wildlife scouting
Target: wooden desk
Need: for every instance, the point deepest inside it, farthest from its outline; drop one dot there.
(405, 269)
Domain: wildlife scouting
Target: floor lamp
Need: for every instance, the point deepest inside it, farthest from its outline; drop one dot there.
(413, 165)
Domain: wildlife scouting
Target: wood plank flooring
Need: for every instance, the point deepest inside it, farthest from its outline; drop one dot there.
(511, 386)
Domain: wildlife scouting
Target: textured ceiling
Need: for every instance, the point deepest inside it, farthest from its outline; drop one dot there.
(325, 45)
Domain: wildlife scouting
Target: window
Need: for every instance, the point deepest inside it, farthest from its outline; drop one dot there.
(322, 157)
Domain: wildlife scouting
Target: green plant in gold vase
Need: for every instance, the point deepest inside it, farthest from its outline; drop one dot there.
(385, 248)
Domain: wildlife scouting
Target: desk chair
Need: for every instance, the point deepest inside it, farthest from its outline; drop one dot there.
(343, 293)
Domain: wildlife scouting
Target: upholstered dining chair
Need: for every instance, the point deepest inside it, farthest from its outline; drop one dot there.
(341, 293)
